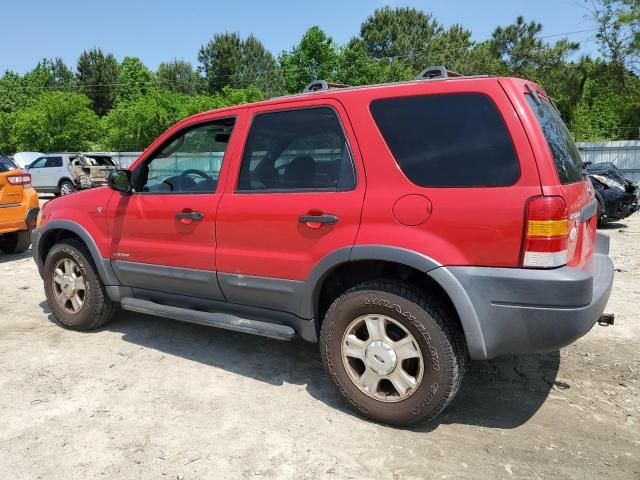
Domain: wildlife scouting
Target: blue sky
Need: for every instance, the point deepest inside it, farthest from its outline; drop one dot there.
(162, 29)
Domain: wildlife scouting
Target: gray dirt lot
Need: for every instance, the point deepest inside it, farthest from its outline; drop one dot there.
(151, 398)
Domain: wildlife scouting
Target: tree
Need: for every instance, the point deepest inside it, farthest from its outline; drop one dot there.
(132, 126)
(134, 80)
(402, 33)
(98, 78)
(179, 76)
(57, 121)
(227, 60)
(356, 67)
(618, 24)
(315, 57)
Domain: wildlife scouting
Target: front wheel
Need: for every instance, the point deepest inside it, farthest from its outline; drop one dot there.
(396, 356)
(75, 293)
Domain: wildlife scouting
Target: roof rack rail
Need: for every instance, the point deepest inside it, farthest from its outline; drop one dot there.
(318, 85)
(439, 71)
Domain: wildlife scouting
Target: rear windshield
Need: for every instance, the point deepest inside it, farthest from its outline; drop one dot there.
(6, 164)
(565, 153)
(449, 140)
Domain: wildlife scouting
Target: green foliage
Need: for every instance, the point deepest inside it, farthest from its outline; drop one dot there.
(56, 121)
(179, 76)
(135, 80)
(315, 57)
(98, 78)
(132, 126)
(227, 60)
(52, 108)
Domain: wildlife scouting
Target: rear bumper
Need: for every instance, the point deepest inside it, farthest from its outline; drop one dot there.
(515, 311)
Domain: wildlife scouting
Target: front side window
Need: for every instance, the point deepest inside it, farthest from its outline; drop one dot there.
(39, 163)
(566, 155)
(448, 140)
(303, 149)
(189, 162)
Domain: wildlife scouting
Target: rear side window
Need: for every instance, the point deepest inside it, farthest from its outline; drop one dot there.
(450, 140)
(53, 162)
(563, 149)
(5, 164)
(293, 150)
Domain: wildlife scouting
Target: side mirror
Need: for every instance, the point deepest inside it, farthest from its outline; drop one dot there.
(120, 181)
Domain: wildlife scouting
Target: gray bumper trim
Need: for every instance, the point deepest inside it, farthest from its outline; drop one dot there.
(513, 311)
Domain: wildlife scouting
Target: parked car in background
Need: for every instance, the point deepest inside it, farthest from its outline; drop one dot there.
(18, 207)
(472, 234)
(618, 197)
(23, 159)
(64, 173)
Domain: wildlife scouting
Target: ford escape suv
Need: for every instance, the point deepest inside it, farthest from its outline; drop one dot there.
(405, 227)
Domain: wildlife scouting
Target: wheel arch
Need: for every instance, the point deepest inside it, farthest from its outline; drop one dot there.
(345, 268)
(58, 230)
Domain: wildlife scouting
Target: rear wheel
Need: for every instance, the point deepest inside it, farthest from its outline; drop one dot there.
(75, 293)
(394, 354)
(15, 242)
(66, 187)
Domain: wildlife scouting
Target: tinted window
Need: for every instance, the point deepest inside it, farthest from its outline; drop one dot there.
(297, 150)
(53, 162)
(6, 164)
(454, 140)
(39, 163)
(563, 149)
(190, 162)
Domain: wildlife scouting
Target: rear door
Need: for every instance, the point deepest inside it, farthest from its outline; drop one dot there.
(295, 197)
(561, 173)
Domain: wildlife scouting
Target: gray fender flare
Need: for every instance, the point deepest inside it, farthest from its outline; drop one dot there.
(441, 275)
(313, 284)
(103, 265)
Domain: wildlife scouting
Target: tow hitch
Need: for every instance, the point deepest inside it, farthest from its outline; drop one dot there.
(606, 319)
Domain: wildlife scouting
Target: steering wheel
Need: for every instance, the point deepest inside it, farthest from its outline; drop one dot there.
(193, 171)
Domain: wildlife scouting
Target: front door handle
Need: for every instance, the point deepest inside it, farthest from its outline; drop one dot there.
(187, 217)
(325, 219)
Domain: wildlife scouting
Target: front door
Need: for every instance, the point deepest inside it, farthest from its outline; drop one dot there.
(46, 172)
(295, 198)
(163, 235)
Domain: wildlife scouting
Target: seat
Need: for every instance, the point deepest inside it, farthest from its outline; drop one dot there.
(300, 173)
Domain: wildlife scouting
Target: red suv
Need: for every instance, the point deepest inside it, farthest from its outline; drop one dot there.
(405, 227)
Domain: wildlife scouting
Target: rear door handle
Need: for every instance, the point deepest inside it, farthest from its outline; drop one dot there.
(325, 218)
(188, 217)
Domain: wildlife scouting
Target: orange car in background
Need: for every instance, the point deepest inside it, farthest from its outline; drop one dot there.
(19, 207)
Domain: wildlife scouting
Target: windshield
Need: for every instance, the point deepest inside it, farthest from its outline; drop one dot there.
(6, 164)
(564, 150)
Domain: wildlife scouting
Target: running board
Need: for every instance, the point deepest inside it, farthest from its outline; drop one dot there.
(219, 320)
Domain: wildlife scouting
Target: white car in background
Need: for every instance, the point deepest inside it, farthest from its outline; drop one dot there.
(22, 159)
(64, 173)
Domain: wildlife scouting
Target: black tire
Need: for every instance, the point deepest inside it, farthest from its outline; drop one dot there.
(97, 308)
(433, 327)
(66, 187)
(15, 242)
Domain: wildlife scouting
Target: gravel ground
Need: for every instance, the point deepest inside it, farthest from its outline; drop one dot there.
(151, 398)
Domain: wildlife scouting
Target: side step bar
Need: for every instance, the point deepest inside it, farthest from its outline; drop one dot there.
(219, 320)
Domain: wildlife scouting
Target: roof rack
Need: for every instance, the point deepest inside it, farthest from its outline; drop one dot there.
(439, 71)
(318, 85)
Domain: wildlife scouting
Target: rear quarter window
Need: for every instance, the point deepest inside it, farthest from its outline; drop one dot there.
(564, 151)
(448, 140)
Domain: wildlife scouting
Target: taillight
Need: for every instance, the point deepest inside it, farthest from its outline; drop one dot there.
(23, 179)
(546, 235)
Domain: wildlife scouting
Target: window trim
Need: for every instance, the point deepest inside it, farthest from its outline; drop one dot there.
(441, 94)
(136, 174)
(255, 114)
